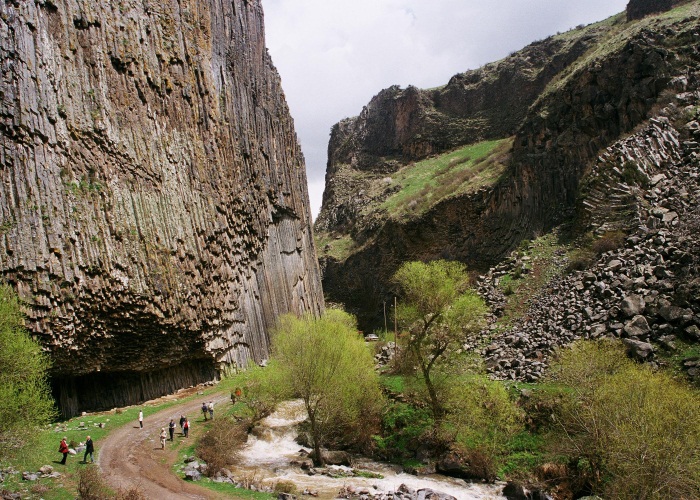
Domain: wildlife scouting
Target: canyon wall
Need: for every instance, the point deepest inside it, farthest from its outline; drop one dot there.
(154, 215)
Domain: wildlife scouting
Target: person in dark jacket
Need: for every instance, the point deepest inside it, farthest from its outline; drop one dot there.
(63, 448)
(182, 424)
(171, 429)
(89, 450)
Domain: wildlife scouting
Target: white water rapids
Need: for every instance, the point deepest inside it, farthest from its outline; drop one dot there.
(269, 458)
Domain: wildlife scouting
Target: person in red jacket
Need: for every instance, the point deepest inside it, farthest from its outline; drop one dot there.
(63, 448)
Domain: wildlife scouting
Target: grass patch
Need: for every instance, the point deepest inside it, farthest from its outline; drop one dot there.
(393, 383)
(427, 182)
(334, 247)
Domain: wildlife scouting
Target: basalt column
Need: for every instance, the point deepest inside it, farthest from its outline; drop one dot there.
(154, 215)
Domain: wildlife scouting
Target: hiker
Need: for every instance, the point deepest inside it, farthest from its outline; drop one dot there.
(204, 411)
(211, 410)
(171, 429)
(182, 424)
(141, 418)
(186, 427)
(63, 448)
(236, 395)
(89, 450)
(163, 436)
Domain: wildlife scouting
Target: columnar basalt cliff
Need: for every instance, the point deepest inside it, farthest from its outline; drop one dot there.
(153, 207)
(611, 78)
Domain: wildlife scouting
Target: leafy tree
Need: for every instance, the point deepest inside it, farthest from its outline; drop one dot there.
(326, 364)
(635, 431)
(25, 400)
(440, 313)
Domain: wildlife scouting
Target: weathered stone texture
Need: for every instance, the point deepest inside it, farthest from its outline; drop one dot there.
(153, 203)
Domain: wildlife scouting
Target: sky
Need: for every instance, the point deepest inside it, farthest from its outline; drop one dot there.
(334, 55)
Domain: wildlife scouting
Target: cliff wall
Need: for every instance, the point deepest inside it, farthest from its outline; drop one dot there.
(153, 207)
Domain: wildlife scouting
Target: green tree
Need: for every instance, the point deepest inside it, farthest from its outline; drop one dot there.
(635, 431)
(25, 398)
(327, 365)
(440, 313)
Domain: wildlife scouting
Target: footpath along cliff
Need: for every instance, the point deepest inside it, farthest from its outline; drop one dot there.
(154, 215)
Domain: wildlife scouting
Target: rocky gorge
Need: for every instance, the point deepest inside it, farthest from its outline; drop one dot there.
(154, 216)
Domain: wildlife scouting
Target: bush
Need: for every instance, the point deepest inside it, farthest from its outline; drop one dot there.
(220, 444)
(631, 432)
(611, 240)
(404, 429)
(23, 377)
(481, 416)
(91, 486)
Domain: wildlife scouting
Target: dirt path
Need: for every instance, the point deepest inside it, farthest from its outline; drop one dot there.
(131, 457)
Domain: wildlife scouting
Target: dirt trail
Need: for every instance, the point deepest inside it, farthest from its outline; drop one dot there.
(131, 457)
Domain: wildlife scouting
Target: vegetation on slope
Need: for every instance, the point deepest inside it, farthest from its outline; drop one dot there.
(415, 188)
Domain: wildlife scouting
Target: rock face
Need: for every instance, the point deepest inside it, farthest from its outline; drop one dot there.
(560, 134)
(153, 207)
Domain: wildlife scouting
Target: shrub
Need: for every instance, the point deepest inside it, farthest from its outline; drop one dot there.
(285, 487)
(611, 240)
(480, 415)
(632, 432)
(220, 444)
(580, 260)
(91, 486)
(404, 429)
(23, 377)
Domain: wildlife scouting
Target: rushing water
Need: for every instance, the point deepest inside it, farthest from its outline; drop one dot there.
(273, 456)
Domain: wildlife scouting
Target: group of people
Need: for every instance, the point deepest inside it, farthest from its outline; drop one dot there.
(89, 450)
(208, 408)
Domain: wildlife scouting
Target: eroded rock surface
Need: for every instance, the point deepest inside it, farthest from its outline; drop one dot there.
(153, 206)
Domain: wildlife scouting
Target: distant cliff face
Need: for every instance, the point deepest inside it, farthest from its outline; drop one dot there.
(610, 81)
(399, 126)
(153, 207)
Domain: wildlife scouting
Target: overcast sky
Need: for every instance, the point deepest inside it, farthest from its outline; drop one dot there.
(335, 55)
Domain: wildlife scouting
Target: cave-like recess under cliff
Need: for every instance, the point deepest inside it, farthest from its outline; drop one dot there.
(154, 216)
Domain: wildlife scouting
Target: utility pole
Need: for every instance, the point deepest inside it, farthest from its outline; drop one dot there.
(396, 345)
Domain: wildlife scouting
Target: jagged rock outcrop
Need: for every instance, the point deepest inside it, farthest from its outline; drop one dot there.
(587, 107)
(153, 207)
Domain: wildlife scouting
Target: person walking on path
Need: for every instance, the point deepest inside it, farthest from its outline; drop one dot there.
(186, 427)
(211, 410)
(204, 411)
(63, 448)
(89, 450)
(163, 437)
(171, 429)
(182, 424)
(141, 419)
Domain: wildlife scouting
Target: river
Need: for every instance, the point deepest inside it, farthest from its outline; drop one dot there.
(272, 455)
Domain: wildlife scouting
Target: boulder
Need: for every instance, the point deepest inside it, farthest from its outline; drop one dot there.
(193, 475)
(632, 305)
(46, 470)
(30, 476)
(428, 494)
(637, 327)
(637, 349)
(515, 491)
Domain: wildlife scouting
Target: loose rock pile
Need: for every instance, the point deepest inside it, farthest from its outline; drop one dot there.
(646, 293)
